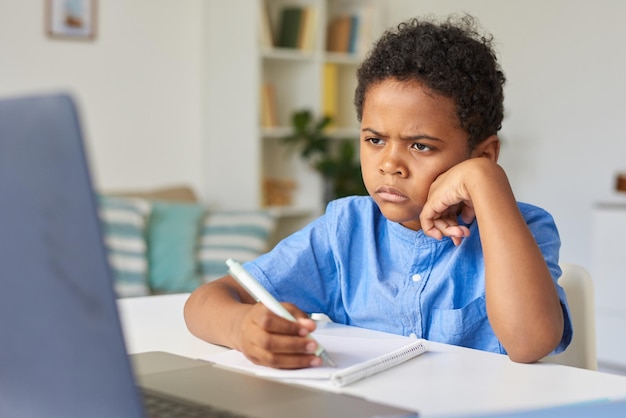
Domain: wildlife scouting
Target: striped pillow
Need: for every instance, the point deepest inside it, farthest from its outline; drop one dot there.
(241, 235)
(125, 222)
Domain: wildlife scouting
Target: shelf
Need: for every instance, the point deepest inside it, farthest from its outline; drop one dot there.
(276, 132)
(287, 54)
(342, 59)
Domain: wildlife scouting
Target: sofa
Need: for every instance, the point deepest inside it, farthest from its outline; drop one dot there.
(166, 241)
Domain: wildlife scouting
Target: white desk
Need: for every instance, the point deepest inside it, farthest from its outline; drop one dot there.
(447, 380)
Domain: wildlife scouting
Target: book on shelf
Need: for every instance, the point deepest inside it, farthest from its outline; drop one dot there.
(338, 34)
(355, 357)
(306, 35)
(297, 27)
(269, 119)
(289, 27)
(350, 31)
(266, 34)
(354, 34)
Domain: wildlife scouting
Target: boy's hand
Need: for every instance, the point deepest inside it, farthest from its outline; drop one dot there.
(267, 339)
(449, 196)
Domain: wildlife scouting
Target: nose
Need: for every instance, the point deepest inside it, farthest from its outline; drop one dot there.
(392, 162)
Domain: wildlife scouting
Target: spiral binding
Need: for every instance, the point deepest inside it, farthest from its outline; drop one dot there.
(378, 364)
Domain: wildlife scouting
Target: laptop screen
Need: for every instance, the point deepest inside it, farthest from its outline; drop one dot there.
(62, 351)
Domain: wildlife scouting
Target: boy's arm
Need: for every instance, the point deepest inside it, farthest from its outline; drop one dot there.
(222, 312)
(522, 302)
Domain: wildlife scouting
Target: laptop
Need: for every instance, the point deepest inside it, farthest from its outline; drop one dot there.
(62, 352)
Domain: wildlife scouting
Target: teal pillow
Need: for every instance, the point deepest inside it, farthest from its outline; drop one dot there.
(124, 224)
(241, 235)
(172, 246)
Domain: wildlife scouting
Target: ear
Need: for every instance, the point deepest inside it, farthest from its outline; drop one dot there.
(489, 148)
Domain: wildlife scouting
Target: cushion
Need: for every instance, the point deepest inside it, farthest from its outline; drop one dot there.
(241, 235)
(173, 244)
(124, 222)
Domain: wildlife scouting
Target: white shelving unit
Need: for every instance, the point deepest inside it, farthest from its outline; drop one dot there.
(242, 151)
(609, 277)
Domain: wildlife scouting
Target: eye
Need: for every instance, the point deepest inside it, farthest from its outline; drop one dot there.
(421, 147)
(374, 140)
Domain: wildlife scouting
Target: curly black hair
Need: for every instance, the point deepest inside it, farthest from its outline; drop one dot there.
(450, 58)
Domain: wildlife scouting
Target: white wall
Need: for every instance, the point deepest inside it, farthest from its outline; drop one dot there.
(139, 84)
(565, 102)
(232, 163)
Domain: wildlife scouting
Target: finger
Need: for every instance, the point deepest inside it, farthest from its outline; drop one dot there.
(468, 214)
(427, 221)
(302, 318)
(307, 325)
(431, 219)
(432, 231)
(269, 322)
(428, 226)
(456, 231)
(286, 344)
(282, 351)
(286, 361)
(450, 228)
(445, 226)
(275, 350)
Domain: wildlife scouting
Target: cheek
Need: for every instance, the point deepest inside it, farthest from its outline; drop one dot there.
(368, 173)
(422, 178)
(367, 162)
(429, 171)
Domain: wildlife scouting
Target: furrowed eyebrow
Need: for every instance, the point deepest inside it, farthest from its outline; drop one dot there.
(372, 131)
(404, 138)
(420, 137)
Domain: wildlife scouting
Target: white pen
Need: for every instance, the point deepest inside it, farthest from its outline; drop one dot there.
(261, 294)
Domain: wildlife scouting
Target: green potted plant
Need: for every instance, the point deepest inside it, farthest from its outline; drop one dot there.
(335, 159)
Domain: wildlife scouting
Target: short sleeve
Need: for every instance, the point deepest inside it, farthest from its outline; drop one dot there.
(300, 269)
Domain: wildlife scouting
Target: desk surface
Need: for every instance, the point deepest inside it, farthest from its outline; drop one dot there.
(447, 380)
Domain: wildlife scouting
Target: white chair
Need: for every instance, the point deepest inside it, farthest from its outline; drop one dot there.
(578, 286)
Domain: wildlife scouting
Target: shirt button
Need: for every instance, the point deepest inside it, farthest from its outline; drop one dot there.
(416, 277)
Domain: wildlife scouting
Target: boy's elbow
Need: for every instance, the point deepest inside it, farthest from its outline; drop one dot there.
(533, 339)
(193, 311)
(534, 349)
(527, 356)
(189, 312)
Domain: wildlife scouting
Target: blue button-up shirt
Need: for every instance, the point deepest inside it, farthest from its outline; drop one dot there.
(361, 269)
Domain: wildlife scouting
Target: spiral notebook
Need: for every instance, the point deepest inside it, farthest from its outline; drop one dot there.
(356, 358)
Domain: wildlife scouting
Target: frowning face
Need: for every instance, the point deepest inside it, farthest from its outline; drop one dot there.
(409, 135)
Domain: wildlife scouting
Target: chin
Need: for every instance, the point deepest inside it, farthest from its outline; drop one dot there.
(398, 214)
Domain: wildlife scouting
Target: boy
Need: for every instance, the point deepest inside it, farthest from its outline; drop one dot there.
(440, 249)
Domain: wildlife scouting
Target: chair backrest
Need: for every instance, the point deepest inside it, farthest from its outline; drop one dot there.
(578, 286)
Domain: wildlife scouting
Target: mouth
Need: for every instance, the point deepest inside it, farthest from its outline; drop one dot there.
(389, 194)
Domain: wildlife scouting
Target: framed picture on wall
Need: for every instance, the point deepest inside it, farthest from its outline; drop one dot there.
(71, 19)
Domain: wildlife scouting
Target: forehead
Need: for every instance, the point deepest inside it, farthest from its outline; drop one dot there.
(411, 100)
